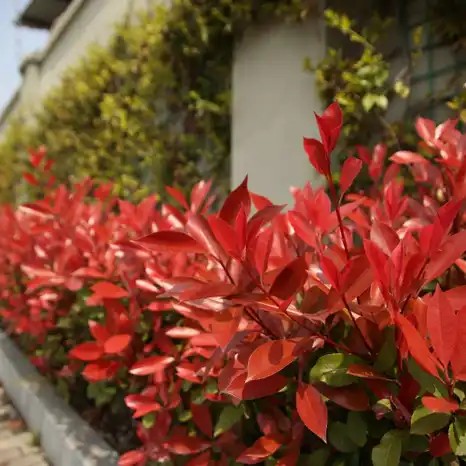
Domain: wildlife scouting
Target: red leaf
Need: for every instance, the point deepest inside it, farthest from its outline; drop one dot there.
(151, 365)
(440, 405)
(31, 179)
(202, 460)
(458, 359)
(377, 260)
(89, 351)
(365, 372)
(270, 358)
(263, 448)
(225, 234)
(182, 332)
(312, 410)
(450, 251)
(440, 445)
(107, 290)
(202, 418)
(384, 237)
(174, 241)
(264, 387)
(302, 228)
(425, 129)
(351, 167)
(407, 157)
(117, 343)
(100, 370)
(259, 219)
(417, 346)
(185, 445)
(177, 195)
(442, 326)
(237, 198)
(353, 398)
(132, 458)
(260, 202)
(98, 331)
(290, 279)
(317, 156)
(36, 156)
(200, 230)
(329, 124)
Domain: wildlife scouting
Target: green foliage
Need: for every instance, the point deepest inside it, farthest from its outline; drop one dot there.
(360, 74)
(151, 108)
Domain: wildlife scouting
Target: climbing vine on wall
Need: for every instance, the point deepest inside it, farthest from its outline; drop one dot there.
(151, 108)
(362, 77)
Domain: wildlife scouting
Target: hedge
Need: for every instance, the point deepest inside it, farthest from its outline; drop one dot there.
(328, 334)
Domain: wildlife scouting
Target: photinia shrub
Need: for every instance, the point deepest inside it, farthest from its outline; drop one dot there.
(330, 333)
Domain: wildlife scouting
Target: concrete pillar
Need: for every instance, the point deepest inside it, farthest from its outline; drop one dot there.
(273, 103)
(28, 96)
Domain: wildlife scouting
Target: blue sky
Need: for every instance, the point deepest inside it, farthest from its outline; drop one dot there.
(16, 43)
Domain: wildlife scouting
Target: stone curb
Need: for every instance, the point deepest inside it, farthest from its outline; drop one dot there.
(66, 439)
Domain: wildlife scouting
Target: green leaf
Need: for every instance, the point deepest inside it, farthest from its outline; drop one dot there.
(401, 89)
(229, 416)
(457, 436)
(416, 443)
(424, 421)
(357, 428)
(429, 384)
(388, 452)
(339, 437)
(318, 457)
(148, 420)
(332, 369)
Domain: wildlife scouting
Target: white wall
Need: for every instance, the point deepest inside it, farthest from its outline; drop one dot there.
(273, 104)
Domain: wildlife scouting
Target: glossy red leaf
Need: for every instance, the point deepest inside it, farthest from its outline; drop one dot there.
(98, 331)
(353, 398)
(440, 445)
(425, 129)
(440, 405)
(107, 290)
(329, 124)
(185, 445)
(350, 170)
(88, 351)
(365, 372)
(151, 365)
(407, 157)
(117, 343)
(132, 458)
(442, 326)
(198, 227)
(450, 251)
(100, 371)
(263, 448)
(270, 358)
(202, 418)
(31, 179)
(225, 234)
(290, 279)
(417, 346)
(174, 241)
(177, 195)
(237, 198)
(384, 237)
(317, 156)
(302, 228)
(312, 410)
